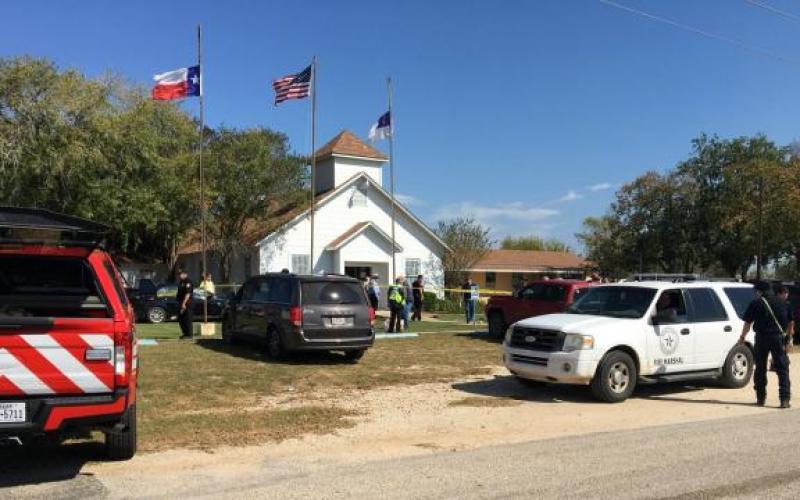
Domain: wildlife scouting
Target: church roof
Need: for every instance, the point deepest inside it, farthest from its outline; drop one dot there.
(347, 143)
(354, 231)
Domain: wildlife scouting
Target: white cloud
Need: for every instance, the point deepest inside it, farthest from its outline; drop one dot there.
(407, 199)
(570, 196)
(600, 187)
(517, 211)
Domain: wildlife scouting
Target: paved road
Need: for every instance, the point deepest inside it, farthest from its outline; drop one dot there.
(743, 457)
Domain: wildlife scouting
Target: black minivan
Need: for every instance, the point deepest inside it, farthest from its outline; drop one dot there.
(290, 312)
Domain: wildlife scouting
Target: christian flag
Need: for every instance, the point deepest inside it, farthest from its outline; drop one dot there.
(382, 129)
(177, 84)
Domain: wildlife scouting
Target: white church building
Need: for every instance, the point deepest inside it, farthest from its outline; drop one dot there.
(352, 227)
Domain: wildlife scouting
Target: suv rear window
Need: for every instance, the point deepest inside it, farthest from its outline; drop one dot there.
(333, 292)
(740, 297)
(48, 286)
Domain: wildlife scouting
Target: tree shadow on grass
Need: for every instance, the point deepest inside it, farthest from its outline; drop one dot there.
(481, 335)
(37, 464)
(255, 352)
(508, 386)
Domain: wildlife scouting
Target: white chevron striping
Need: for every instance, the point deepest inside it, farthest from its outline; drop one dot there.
(66, 362)
(100, 341)
(20, 375)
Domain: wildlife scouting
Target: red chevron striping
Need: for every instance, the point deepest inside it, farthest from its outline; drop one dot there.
(76, 346)
(7, 388)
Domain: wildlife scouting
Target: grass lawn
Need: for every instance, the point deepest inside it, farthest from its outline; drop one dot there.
(206, 393)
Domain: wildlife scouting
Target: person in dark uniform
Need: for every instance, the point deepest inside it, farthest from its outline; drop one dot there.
(783, 293)
(767, 315)
(184, 298)
(419, 295)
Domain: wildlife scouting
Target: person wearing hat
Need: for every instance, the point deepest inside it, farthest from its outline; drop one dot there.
(184, 298)
(768, 317)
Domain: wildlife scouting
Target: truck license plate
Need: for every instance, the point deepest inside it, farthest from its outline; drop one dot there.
(12, 413)
(338, 321)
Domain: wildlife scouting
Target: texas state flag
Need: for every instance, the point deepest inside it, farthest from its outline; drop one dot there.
(177, 84)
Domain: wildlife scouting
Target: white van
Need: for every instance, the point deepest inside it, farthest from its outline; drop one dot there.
(616, 336)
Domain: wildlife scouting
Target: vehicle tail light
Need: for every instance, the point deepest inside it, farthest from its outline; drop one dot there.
(123, 354)
(296, 316)
(371, 317)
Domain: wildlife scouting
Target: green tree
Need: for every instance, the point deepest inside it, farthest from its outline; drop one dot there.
(534, 243)
(250, 173)
(469, 242)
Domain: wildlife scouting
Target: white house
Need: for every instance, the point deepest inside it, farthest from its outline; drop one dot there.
(353, 226)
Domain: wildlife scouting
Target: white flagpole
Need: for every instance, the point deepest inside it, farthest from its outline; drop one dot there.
(391, 174)
(313, 152)
(202, 179)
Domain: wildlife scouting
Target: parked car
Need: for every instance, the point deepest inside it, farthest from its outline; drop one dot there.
(615, 336)
(68, 356)
(539, 297)
(289, 312)
(158, 304)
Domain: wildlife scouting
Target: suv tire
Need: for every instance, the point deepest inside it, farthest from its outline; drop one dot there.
(275, 348)
(738, 367)
(354, 356)
(497, 326)
(615, 378)
(122, 445)
(228, 335)
(156, 315)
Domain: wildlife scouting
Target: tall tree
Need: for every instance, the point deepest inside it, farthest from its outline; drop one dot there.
(251, 173)
(469, 242)
(534, 243)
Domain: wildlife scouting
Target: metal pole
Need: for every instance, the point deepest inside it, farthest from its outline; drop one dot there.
(313, 151)
(202, 179)
(391, 174)
(760, 249)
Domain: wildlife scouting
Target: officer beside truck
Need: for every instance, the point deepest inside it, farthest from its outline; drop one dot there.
(768, 317)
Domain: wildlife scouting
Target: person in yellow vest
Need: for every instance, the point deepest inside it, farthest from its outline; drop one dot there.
(397, 303)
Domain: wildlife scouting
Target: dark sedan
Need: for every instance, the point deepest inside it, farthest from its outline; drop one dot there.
(158, 304)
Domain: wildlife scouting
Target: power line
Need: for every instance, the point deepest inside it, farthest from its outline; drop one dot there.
(707, 34)
(774, 10)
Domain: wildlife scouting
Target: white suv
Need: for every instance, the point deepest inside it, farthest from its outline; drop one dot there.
(617, 335)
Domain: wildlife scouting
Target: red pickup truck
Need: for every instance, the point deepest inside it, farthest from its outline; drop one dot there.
(539, 297)
(68, 356)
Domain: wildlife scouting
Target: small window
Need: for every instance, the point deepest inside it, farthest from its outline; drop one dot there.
(706, 305)
(301, 264)
(412, 268)
(517, 279)
(740, 297)
(491, 280)
(578, 293)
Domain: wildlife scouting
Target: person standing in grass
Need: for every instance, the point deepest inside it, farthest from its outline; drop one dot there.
(373, 291)
(184, 298)
(395, 295)
(419, 294)
(408, 293)
(470, 297)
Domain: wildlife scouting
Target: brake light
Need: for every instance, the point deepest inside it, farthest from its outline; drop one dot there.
(371, 317)
(123, 353)
(296, 316)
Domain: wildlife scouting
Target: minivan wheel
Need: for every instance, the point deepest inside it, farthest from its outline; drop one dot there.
(156, 315)
(738, 367)
(497, 327)
(354, 356)
(615, 378)
(275, 348)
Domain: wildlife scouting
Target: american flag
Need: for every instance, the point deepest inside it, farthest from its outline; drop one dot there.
(292, 86)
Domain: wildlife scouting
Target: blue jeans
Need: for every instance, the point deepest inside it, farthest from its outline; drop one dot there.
(407, 313)
(469, 310)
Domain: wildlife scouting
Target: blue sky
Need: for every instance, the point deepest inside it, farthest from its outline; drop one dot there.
(524, 114)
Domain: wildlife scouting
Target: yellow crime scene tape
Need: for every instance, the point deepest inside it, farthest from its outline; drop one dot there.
(481, 291)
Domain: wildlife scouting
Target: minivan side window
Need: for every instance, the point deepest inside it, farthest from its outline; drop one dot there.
(280, 290)
(261, 292)
(706, 306)
(249, 289)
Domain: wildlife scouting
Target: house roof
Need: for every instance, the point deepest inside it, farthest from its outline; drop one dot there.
(347, 143)
(529, 261)
(357, 229)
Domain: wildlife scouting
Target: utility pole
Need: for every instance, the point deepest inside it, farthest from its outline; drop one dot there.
(760, 243)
